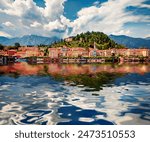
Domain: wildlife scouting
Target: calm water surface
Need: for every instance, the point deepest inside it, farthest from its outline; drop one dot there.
(74, 94)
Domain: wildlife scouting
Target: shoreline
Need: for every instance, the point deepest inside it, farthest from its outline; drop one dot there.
(48, 60)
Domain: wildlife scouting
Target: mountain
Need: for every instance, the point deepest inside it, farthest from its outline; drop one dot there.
(102, 40)
(28, 40)
(147, 38)
(3, 39)
(131, 42)
(89, 39)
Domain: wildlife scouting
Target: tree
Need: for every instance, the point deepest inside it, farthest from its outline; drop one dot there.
(1, 47)
(87, 39)
(17, 45)
(46, 52)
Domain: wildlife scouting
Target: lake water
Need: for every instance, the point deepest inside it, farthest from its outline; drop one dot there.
(71, 94)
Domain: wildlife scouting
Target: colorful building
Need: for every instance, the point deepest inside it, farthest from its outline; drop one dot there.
(75, 52)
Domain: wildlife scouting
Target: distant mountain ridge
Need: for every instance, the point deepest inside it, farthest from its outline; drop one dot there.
(147, 38)
(131, 42)
(28, 40)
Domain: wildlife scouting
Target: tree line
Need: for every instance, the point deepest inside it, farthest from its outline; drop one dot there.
(15, 46)
(88, 39)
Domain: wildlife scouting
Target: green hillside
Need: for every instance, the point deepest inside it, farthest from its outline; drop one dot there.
(101, 40)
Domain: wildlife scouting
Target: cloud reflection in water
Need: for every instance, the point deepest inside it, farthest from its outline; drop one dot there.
(58, 94)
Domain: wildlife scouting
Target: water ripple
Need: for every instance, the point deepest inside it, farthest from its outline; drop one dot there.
(46, 100)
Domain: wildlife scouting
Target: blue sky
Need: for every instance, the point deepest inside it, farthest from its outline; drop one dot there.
(65, 18)
(71, 7)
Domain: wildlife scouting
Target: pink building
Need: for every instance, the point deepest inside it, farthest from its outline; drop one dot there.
(75, 52)
(138, 52)
(90, 52)
(54, 52)
(11, 52)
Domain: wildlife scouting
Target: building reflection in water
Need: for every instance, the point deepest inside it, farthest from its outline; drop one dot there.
(24, 68)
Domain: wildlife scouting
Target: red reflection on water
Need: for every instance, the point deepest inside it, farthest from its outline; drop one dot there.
(72, 69)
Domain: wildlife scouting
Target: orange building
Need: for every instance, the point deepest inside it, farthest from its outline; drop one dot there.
(124, 52)
(75, 52)
(11, 52)
(3, 53)
(54, 52)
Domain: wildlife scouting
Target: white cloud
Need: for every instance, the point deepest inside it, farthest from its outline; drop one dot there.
(147, 36)
(54, 9)
(36, 24)
(122, 32)
(27, 18)
(145, 6)
(5, 4)
(31, 19)
(55, 25)
(109, 17)
(20, 7)
(96, 3)
(4, 34)
(8, 24)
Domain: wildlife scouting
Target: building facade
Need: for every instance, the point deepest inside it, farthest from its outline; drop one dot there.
(75, 52)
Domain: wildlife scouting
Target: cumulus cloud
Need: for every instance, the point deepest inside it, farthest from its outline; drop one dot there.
(27, 18)
(96, 3)
(122, 32)
(36, 24)
(53, 9)
(145, 6)
(109, 17)
(55, 25)
(8, 24)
